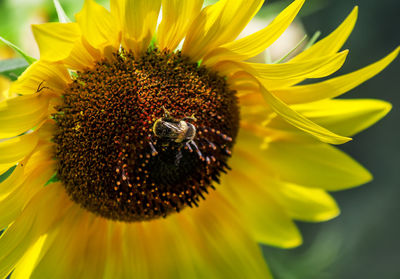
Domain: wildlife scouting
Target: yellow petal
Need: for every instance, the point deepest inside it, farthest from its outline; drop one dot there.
(346, 117)
(14, 203)
(218, 24)
(220, 243)
(47, 131)
(68, 258)
(82, 56)
(328, 45)
(24, 169)
(4, 88)
(139, 24)
(42, 76)
(308, 164)
(12, 182)
(323, 71)
(43, 153)
(254, 44)
(117, 8)
(266, 219)
(40, 214)
(196, 37)
(333, 42)
(26, 264)
(56, 40)
(314, 68)
(196, 243)
(333, 87)
(4, 83)
(95, 260)
(115, 253)
(135, 256)
(177, 15)
(317, 68)
(305, 204)
(299, 121)
(164, 238)
(98, 26)
(20, 114)
(15, 149)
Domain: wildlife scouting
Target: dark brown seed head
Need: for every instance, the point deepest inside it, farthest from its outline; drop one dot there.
(109, 158)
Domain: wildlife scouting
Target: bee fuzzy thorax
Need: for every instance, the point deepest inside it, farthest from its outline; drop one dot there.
(155, 135)
(170, 130)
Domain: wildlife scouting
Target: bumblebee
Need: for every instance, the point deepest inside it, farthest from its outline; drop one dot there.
(172, 131)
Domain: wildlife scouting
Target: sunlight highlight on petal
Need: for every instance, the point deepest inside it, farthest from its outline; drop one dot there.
(42, 76)
(176, 19)
(314, 68)
(304, 203)
(346, 117)
(218, 24)
(20, 114)
(100, 33)
(252, 45)
(56, 40)
(140, 21)
(13, 150)
(333, 87)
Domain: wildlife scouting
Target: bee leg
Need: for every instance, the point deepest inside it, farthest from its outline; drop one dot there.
(188, 147)
(225, 137)
(121, 168)
(178, 157)
(125, 176)
(153, 149)
(211, 145)
(197, 150)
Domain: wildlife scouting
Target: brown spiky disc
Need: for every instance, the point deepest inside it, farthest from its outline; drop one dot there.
(109, 159)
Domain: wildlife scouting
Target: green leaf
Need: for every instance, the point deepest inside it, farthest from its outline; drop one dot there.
(12, 68)
(6, 174)
(28, 59)
(53, 179)
(62, 16)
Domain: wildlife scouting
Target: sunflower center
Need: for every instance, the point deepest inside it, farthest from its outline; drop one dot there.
(140, 138)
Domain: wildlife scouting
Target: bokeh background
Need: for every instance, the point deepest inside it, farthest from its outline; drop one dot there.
(363, 242)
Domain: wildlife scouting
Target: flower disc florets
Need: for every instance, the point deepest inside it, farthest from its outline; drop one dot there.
(112, 159)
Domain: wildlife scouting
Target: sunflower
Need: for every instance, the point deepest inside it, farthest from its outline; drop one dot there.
(145, 150)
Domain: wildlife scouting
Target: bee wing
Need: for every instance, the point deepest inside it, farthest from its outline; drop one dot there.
(175, 130)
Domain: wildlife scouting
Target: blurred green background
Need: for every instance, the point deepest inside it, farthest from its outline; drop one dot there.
(363, 242)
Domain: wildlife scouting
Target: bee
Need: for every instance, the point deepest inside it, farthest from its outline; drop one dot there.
(173, 131)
